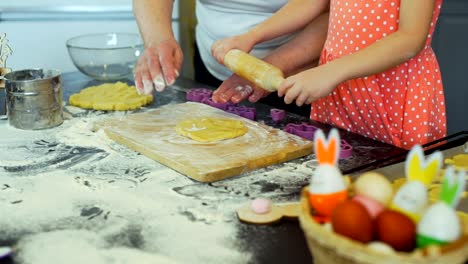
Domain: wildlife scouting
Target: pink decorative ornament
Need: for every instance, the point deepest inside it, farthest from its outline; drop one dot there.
(261, 206)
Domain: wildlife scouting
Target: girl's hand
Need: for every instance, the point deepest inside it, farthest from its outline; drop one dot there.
(159, 65)
(237, 89)
(308, 86)
(244, 42)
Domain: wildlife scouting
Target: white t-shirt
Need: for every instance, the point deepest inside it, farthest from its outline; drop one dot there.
(218, 19)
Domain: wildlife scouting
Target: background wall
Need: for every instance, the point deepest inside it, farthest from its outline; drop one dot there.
(38, 29)
(451, 46)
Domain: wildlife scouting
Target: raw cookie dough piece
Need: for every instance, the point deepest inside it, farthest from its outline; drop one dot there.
(460, 161)
(211, 129)
(110, 96)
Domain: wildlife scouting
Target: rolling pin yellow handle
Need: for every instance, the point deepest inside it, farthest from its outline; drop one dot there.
(253, 69)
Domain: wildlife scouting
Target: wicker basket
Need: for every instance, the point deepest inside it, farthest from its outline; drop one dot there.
(330, 248)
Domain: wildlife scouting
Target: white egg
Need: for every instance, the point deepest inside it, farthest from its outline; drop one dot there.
(440, 222)
(327, 179)
(411, 197)
(328, 226)
(375, 186)
(381, 247)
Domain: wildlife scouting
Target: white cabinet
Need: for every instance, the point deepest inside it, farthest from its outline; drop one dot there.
(37, 33)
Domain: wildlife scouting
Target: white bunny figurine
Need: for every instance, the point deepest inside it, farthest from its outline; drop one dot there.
(327, 188)
(440, 223)
(412, 198)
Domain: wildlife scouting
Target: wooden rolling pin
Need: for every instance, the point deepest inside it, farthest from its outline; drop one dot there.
(261, 73)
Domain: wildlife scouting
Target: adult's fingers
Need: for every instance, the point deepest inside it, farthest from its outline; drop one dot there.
(218, 95)
(143, 77)
(138, 82)
(167, 60)
(218, 50)
(242, 92)
(225, 92)
(258, 94)
(154, 68)
(178, 60)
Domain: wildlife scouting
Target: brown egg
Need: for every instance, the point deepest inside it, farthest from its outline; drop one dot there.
(396, 229)
(352, 220)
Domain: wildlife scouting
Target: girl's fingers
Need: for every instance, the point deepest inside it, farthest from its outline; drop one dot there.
(285, 85)
(291, 94)
(309, 100)
(301, 99)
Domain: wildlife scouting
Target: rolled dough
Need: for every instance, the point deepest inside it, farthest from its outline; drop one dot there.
(211, 129)
(110, 96)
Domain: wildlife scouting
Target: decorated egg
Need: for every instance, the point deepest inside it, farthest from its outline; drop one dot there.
(375, 186)
(411, 200)
(327, 187)
(327, 179)
(352, 220)
(373, 208)
(440, 225)
(396, 230)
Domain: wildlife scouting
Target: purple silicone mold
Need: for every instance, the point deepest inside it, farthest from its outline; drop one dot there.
(244, 111)
(198, 94)
(277, 114)
(222, 106)
(346, 150)
(307, 131)
(303, 130)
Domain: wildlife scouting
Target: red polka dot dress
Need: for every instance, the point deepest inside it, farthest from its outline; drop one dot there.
(402, 106)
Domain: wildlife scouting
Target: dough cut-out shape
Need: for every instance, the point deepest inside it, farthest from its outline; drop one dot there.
(277, 212)
(211, 129)
(110, 96)
(459, 161)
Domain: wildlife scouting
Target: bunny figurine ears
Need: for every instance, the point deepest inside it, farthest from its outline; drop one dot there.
(420, 169)
(453, 186)
(327, 151)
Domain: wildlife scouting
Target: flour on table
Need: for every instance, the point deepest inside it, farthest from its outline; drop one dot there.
(70, 195)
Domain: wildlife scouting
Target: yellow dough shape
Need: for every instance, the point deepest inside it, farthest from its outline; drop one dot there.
(459, 161)
(110, 96)
(211, 129)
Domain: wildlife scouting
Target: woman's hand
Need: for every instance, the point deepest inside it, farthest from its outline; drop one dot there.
(160, 65)
(237, 89)
(244, 42)
(310, 85)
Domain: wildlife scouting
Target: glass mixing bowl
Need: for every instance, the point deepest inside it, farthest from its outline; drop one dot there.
(107, 56)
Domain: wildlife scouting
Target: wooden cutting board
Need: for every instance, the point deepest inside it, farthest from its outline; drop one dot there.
(153, 135)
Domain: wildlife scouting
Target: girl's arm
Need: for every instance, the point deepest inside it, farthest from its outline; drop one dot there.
(388, 52)
(298, 54)
(296, 14)
(396, 48)
(293, 16)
